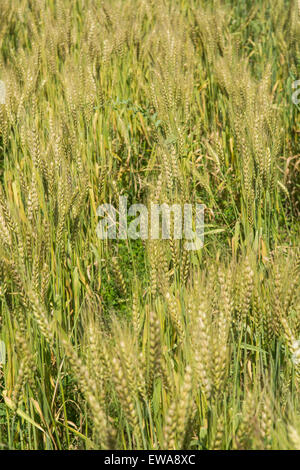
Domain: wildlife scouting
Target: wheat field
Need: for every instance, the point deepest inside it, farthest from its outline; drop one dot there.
(141, 343)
